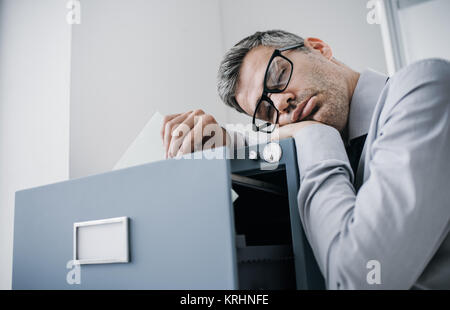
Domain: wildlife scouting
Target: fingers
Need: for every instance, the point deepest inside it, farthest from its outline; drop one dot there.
(181, 130)
(184, 133)
(194, 139)
(170, 126)
(166, 119)
(176, 129)
(219, 137)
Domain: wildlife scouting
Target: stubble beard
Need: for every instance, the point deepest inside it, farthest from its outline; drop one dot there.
(332, 107)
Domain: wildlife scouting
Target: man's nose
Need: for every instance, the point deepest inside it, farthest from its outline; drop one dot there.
(282, 101)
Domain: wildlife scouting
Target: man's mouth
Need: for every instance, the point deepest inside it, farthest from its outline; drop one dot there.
(304, 109)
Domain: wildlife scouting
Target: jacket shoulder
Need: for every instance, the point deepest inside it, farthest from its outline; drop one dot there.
(420, 88)
(423, 70)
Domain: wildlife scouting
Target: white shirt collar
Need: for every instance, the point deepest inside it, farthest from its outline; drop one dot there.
(365, 97)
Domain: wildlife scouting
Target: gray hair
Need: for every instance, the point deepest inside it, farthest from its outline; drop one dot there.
(230, 66)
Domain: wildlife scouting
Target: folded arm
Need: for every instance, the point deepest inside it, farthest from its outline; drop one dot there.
(401, 212)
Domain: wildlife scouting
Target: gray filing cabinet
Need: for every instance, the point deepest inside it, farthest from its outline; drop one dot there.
(183, 230)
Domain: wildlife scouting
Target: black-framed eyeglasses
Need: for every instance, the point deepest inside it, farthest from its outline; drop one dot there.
(276, 80)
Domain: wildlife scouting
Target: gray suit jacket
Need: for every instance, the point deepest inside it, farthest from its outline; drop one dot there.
(388, 226)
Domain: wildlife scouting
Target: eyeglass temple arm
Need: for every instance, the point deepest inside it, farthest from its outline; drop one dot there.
(261, 128)
(291, 47)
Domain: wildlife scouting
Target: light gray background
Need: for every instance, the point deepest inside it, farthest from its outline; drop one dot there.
(132, 58)
(34, 106)
(422, 38)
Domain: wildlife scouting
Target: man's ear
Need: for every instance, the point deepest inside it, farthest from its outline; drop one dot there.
(318, 45)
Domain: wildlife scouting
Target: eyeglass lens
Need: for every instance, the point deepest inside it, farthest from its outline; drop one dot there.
(278, 74)
(265, 116)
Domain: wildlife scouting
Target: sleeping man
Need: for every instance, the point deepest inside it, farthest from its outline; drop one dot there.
(372, 153)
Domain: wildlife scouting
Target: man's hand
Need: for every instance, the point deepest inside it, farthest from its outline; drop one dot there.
(191, 131)
(288, 131)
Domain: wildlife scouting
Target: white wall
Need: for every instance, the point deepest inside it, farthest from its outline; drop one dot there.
(342, 24)
(34, 106)
(131, 58)
(425, 28)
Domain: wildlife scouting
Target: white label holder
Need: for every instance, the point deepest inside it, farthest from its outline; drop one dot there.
(101, 241)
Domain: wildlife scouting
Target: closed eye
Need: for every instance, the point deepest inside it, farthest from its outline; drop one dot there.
(280, 78)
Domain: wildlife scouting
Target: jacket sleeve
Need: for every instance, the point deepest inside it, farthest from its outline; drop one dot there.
(401, 212)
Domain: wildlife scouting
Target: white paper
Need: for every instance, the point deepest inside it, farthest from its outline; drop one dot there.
(234, 196)
(147, 147)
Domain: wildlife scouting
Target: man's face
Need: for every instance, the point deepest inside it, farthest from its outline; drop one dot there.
(317, 91)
